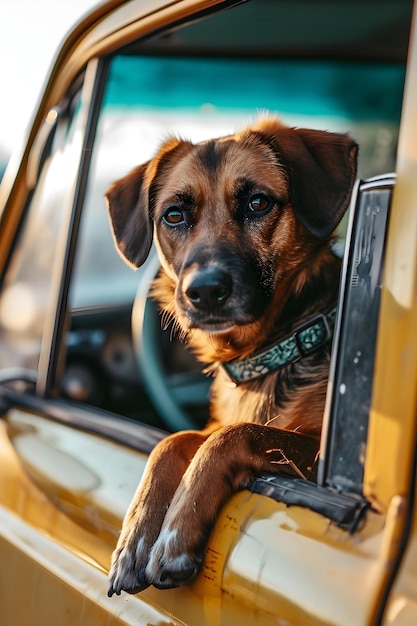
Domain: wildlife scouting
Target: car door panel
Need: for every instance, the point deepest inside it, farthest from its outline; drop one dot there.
(263, 557)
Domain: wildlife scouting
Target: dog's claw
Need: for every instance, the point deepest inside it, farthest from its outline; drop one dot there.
(116, 589)
(128, 589)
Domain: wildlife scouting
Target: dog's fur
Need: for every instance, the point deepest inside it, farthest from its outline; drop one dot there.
(242, 225)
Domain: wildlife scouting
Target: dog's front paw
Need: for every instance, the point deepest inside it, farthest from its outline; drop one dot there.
(127, 572)
(173, 561)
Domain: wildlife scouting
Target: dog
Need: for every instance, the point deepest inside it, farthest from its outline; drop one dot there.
(243, 227)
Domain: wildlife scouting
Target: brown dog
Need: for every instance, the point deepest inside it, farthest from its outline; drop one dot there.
(242, 225)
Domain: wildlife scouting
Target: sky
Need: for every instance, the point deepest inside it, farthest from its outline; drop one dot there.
(30, 33)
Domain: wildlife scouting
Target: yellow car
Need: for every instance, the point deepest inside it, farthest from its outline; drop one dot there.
(88, 381)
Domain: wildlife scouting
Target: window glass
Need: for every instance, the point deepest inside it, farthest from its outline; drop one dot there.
(27, 283)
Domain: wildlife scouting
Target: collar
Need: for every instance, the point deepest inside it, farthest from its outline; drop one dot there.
(304, 341)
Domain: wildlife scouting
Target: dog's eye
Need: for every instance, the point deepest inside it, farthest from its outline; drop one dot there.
(173, 216)
(260, 204)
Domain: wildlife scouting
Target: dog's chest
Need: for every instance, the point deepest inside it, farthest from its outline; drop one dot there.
(274, 400)
(250, 402)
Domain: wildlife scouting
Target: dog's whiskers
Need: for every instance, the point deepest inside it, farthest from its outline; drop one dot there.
(181, 334)
(275, 417)
(176, 332)
(166, 319)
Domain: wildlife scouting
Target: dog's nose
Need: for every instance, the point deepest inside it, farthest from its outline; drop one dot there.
(208, 288)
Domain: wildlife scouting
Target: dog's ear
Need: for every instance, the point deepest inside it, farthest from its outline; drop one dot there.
(324, 175)
(130, 203)
(321, 170)
(128, 207)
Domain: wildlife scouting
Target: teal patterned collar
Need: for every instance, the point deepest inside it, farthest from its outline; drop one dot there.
(304, 341)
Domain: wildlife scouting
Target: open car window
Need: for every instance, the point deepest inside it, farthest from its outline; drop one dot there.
(148, 98)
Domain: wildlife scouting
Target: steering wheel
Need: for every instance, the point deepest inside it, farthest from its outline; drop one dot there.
(173, 394)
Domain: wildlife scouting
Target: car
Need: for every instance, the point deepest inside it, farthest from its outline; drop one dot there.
(89, 382)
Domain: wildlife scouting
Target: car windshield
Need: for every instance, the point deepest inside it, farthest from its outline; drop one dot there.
(149, 97)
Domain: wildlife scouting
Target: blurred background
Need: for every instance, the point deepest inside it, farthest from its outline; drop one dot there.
(30, 33)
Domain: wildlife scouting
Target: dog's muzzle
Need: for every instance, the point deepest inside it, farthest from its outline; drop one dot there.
(219, 290)
(208, 288)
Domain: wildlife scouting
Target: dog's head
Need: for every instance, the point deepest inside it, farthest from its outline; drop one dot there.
(234, 219)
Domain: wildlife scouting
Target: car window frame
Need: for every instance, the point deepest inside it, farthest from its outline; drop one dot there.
(52, 353)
